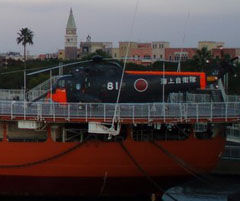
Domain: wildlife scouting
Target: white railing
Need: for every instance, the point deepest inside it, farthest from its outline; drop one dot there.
(10, 94)
(189, 98)
(42, 88)
(233, 98)
(231, 152)
(133, 112)
(18, 94)
(233, 133)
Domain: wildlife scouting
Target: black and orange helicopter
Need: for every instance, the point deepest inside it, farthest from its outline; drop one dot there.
(101, 80)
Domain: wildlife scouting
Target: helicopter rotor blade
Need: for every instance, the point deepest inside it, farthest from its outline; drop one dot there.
(134, 58)
(87, 61)
(56, 67)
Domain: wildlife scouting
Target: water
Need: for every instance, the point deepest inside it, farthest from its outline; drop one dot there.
(215, 188)
(190, 197)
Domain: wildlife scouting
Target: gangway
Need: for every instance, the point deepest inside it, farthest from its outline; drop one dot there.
(232, 152)
(37, 92)
(233, 133)
(32, 94)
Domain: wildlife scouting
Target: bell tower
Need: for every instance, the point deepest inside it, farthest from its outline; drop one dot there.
(71, 38)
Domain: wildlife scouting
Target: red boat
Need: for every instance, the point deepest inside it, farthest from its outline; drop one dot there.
(129, 164)
(149, 156)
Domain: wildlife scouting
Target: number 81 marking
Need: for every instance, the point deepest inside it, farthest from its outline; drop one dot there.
(112, 86)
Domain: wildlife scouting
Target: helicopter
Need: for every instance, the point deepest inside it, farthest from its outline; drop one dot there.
(101, 80)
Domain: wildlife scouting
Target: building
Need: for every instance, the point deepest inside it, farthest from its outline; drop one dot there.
(123, 46)
(220, 52)
(48, 56)
(210, 44)
(12, 56)
(142, 54)
(237, 51)
(90, 47)
(61, 54)
(115, 53)
(70, 51)
(158, 49)
(173, 54)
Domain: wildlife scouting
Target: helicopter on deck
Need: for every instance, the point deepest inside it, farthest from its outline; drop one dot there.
(101, 80)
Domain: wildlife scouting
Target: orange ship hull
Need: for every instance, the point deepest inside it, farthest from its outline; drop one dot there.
(97, 167)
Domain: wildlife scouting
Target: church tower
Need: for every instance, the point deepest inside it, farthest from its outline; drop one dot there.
(71, 38)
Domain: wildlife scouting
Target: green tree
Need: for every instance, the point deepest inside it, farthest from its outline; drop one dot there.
(201, 58)
(25, 36)
(99, 52)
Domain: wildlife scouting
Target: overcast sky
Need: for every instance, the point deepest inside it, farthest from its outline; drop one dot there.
(110, 20)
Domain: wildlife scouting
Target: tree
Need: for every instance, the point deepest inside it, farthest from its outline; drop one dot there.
(99, 52)
(25, 36)
(201, 58)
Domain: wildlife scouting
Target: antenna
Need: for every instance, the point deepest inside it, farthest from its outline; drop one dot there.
(124, 66)
(183, 41)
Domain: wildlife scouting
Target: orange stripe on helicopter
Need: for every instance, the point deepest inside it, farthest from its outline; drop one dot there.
(59, 96)
(200, 74)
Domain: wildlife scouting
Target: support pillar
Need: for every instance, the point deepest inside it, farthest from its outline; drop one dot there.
(5, 127)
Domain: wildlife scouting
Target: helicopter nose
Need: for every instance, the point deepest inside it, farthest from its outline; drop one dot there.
(59, 96)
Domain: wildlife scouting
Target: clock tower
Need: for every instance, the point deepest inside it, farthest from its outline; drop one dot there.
(71, 38)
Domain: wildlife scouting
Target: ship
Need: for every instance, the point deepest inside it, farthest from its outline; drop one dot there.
(95, 166)
(71, 147)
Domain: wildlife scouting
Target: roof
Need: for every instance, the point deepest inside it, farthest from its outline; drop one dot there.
(71, 22)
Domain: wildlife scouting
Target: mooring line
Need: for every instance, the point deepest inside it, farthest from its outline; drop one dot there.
(144, 173)
(33, 163)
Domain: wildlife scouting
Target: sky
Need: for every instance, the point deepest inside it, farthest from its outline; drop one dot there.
(181, 22)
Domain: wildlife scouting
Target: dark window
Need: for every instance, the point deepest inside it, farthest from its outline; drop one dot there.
(78, 86)
(61, 83)
(161, 132)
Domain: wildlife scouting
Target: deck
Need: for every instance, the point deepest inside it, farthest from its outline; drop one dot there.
(130, 113)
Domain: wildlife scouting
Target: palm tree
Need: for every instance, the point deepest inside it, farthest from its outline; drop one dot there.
(25, 36)
(202, 57)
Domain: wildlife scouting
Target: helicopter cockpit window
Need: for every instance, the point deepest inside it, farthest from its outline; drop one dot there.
(61, 83)
(78, 86)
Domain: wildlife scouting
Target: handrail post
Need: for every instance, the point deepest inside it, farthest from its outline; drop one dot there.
(41, 114)
(11, 110)
(211, 112)
(24, 108)
(197, 117)
(181, 107)
(133, 119)
(118, 112)
(164, 112)
(86, 112)
(38, 111)
(104, 112)
(186, 112)
(226, 111)
(54, 115)
(69, 114)
(149, 112)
